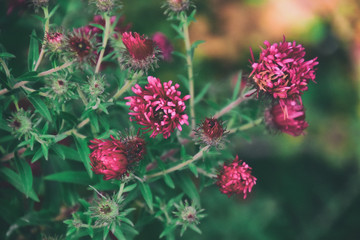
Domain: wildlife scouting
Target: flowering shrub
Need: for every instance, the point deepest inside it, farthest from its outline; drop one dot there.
(100, 118)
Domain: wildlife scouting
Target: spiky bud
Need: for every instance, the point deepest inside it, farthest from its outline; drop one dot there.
(21, 124)
(105, 210)
(211, 132)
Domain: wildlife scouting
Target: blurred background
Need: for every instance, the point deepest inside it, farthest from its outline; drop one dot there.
(309, 186)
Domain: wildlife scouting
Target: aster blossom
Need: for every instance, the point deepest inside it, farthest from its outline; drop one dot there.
(289, 118)
(211, 132)
(163, 43)
(158, 107)
(236, 178)
(108, 158)
(281, 69)
(140, 52)
(79, 42)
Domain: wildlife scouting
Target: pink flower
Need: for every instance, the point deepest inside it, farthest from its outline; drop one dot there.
(288, 118)
(108, 158)
(54, 41)
(80, 45)
(141, 52)
(281, 70)
(236, 178)
(164, 45)
(158, 107)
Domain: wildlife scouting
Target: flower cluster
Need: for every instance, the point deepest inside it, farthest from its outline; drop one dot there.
(282, 72)
(236, 178)
(158, 107)
(115, 158)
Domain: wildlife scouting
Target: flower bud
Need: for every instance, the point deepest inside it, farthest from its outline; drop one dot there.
(105, 5)
(21, 124)
(95, 86)
(104, 210)
(40, 3)
(187, 215)
(178, 5)
(54, 41)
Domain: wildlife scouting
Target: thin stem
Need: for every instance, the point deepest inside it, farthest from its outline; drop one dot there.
(121, 190)
(6, 69)
(203, 172)
(233, 104)
(81, 94)
(53, 70)
(190, 69)
(104, 43)
(46, 29)
(125, 87)
(179, 166)
(247, 126)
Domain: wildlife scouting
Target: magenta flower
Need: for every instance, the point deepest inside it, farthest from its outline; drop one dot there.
(281, 70)
(288, 118)
(80, 44)
(108, 158)
(164, 45)
(211, 132)
(236, 178)
(158, 107)
(141, 52)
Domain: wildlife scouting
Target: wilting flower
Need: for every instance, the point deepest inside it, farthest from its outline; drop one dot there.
(164, 45)
(177, 5)
(21, 123)
(288, 118)
(236, 178)
(135, 148)
(211, 132)
(281, 70)
(108, 158)
(80, 45)
(140, 52)
(54, 41)
(158, 107)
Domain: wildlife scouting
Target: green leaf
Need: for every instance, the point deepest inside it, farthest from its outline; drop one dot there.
(98, 26)
(146, 192)
(187, 185)
(179, 54)
(193, 169)
(69, 153)
(168, 229)
(6, 55)
(14, 179)
(169, 181)
(29, 76)
(58, 150)
(53, 11)
(94, 121)
(33, 51)
(39, 154)
(25, 174)
(76, 177)
(83, 151)
(45, 151)
(184, 80)
(40, 106)
(178, 29)
(117, 232)
(237, 86)
(202, 93)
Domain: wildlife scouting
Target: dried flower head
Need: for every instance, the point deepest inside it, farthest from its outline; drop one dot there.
(135, 148)
(54, 41)
(106, 5)
(165, 46)
(236, 178)
(140, 53)
(281, 69)
(21, 123)
(80, 45)
(187, 215)
(108, 158)
(105, 210)
(176, 6)
(158, 107)
(288, 117)
(211, 132)
(40, 3)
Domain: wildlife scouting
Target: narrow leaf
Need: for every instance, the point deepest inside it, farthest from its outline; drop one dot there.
(237, 86)
(146, 192)
(40, 106)
(202, 93)
(33, 51)
(84, 152)
(169, 181)
(25, 174)
(187, 185)
(76, 177)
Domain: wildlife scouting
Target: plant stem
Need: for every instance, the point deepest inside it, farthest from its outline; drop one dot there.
(125, 87)
(247, 126)
(104, 43)
(190, 69)
(179, 166)
(46, 29)
(233, 104)
(48, 72)
(121, 190)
